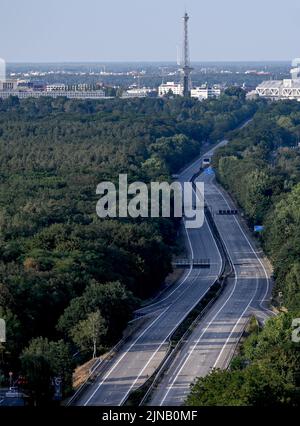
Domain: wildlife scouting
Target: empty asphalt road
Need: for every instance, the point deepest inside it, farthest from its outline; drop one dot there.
(212, 343)
(141, 356)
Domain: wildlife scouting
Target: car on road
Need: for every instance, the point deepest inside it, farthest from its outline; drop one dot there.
(206, 162)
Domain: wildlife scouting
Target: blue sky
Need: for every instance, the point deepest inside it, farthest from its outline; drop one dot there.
(148, 30)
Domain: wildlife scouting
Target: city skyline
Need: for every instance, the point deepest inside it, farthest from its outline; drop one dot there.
(119, 32)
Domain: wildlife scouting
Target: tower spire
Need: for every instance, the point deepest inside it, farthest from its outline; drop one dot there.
(186, 66)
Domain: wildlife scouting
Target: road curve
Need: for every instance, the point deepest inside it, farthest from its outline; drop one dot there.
(141, 356)
(212, 343)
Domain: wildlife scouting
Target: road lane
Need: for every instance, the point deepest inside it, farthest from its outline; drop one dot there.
(141, 356)
(212, 343)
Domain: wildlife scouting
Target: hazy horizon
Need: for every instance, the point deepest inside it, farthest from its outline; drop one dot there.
(276, 61)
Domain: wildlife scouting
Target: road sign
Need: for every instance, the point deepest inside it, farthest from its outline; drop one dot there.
(228, 212)
(57, 381)
(209, 171)
(258, 228)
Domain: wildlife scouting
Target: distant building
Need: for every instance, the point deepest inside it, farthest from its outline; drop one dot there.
(55, 87)
(70, 94)
(282, 89)
(170, 87)
(136, 92)
(251, 95)
(25, 89)
(8, 85)
(206, 92)
(279, 89)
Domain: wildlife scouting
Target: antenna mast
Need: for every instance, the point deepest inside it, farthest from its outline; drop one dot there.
(186, 66)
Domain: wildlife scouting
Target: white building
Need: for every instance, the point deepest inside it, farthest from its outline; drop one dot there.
(206, 92)
(282, 89)
(70, 94)
(136, 92)
(170, 87)
(279, 89)
(58, 87)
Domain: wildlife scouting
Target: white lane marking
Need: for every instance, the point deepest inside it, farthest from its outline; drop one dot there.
(194, 163)
(192, 252)
(253, 251)
(148, 314)
(144, 308)
(190, 243)
(178, 286)
(229, 297)
(178, 323)
(120, 359)
(150, 325)
(196, 343)
(236, 324)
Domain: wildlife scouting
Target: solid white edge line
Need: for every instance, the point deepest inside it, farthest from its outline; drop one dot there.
(254, 251)
(214, 278)
(267, 279)
(150, 325)
(140, 335)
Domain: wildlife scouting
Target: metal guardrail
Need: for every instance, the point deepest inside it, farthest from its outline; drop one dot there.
(236, 344)
(169, 359)
(94, 371)
(104, 362)
(186, 262)
(226, 271)
(229, 212)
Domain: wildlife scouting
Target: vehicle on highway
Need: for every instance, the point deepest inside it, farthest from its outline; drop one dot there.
(206, 162)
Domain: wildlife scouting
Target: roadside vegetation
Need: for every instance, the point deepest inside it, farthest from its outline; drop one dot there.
(260, 167)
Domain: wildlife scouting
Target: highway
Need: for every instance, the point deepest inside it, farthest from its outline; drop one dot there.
(212, 343)
(142, 355)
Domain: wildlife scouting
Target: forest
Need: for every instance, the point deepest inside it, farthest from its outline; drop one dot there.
(260, 167)
(70, 281)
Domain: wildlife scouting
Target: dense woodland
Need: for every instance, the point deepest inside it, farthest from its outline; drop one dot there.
(261, 169)
(70, 281)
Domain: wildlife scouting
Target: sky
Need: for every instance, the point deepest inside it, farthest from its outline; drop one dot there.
(148, 30)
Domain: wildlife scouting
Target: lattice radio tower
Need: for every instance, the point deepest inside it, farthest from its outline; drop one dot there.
(186, 66)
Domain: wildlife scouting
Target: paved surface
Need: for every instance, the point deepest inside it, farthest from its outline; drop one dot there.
(9, 402)
(212, 343)
(140, 357)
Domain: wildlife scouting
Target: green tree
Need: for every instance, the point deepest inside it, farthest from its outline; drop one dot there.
(41, 361)
(87, 333)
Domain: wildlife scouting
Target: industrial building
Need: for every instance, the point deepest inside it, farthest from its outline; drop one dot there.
(70, 94)
(138, 92)
(282, 89)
